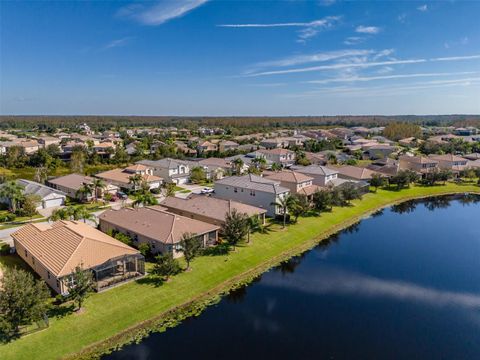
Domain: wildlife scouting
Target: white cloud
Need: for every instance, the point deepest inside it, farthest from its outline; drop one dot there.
(159, 13)
(402, 18)
(362, 64)
(118, 43)
(386, 77)
(353, 40)
(423, 8)
(367, 29)
(309, 29)
(317, 57)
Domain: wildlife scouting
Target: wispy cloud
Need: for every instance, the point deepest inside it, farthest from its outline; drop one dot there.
(118, 43)
(367, 29)
(402, 18)
(354, 40)
(362, 64)
(327, 2)
(160, 12)
(423, 8)
(386, 77)
(308, 29)
(311, 58)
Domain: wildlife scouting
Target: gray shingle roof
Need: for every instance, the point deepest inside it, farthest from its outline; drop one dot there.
(314, 170)
(253, 182)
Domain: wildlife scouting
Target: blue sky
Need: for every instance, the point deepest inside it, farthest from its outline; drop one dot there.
(200, 57)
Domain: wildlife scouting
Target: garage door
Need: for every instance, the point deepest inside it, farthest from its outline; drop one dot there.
(52, 202)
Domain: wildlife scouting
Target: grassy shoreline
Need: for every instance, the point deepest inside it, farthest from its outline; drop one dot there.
(130, 312)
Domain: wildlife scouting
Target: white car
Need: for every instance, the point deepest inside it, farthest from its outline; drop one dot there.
(207, 190)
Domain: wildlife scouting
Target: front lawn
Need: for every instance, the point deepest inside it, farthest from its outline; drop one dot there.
(109, 313)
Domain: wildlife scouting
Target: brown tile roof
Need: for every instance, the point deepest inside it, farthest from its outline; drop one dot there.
(210, 207)
(71, 181)
(136, 167)
(277, 151)
(447, 157)
(356, 172)
(122, 176)
(310, 190)
(156, 223)
(62, 246)
(418, 159)
(288, 176)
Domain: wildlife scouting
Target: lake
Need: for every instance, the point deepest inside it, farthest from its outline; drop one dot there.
(402, 284)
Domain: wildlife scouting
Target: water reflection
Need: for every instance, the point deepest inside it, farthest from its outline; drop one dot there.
(440, 202)
(405, 207)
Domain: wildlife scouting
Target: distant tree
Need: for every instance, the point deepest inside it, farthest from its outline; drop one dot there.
(23, 300)
(401, 130)
(15, 157)
(238, 166)
(84, 191)
(98, 185)
(377, 181)
(82, 213)
(197, 175)
(120, 156)
(28, 205)
(59, 214)
(169, 189)
(337, 198)
(190, 247)
(77, 160)
(322, 200)
(235, 228)
(80, 285)
(13, 192)
(285, 203)
(136, 180)
(350, 192)
(301, 205)
(404, 178)
(166, 266)
(41, 174)
(145, 199)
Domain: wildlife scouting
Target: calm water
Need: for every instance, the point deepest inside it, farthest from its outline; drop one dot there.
(402, 284)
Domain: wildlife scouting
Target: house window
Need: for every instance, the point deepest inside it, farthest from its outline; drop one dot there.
(252, 192)
(58, 284)
(33, 260)
(48, 275)
(26, 253)
(235, 190)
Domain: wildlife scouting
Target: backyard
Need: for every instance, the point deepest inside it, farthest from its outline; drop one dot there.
(128, 312)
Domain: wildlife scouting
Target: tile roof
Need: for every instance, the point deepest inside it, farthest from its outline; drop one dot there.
(314, 170)
(288, 176)
(356, 172)
(34, 188)
(122, 176)
(253, 182)
(71, 181)
(209, 206)
(62, 246)
(156, 223)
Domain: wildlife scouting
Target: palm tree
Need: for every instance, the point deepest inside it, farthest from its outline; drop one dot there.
(98, 184)
(284, 203)
(276, 167)
(135, 180)
(13, 192)
(59, 214)
(145, 199)
(254, 225)
(84, 191)
(82, 213)
(238, 165)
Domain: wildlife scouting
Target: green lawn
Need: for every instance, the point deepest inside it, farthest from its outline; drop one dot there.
(118, 309)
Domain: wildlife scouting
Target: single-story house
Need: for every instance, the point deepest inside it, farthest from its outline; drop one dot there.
(48, 197)
(159, 228)
(53, 251)
(355, 173)
(122, 177)
(210, 209)
(71, 183)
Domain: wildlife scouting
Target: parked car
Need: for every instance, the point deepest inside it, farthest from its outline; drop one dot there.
(207, 191)
(122, 195)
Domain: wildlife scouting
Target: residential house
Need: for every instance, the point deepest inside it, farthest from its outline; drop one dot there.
(53, 251)
(465, 131)
(253, 190)
(296, 182)
(122, 177)
(272, 143)
(47, 196)
(450, 162)
(71, 183)
(206, 147)
(316, 158)
(215, 168)
(281, 157)
(46, 141)
(379, 151)
(322, 176)
(29, 146)
(387, 166)
(159, 228)
(227, 145)
(171, 170)
(210, 209)
(420, 164)
(355, 173)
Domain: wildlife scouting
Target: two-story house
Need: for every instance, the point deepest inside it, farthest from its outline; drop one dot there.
(450, 162)
(296, 182)
(253, 190)
(322, 176)
(171, 170)
(281, 157)
(421, 164)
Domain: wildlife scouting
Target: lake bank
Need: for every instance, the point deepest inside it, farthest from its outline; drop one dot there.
(130, 312)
